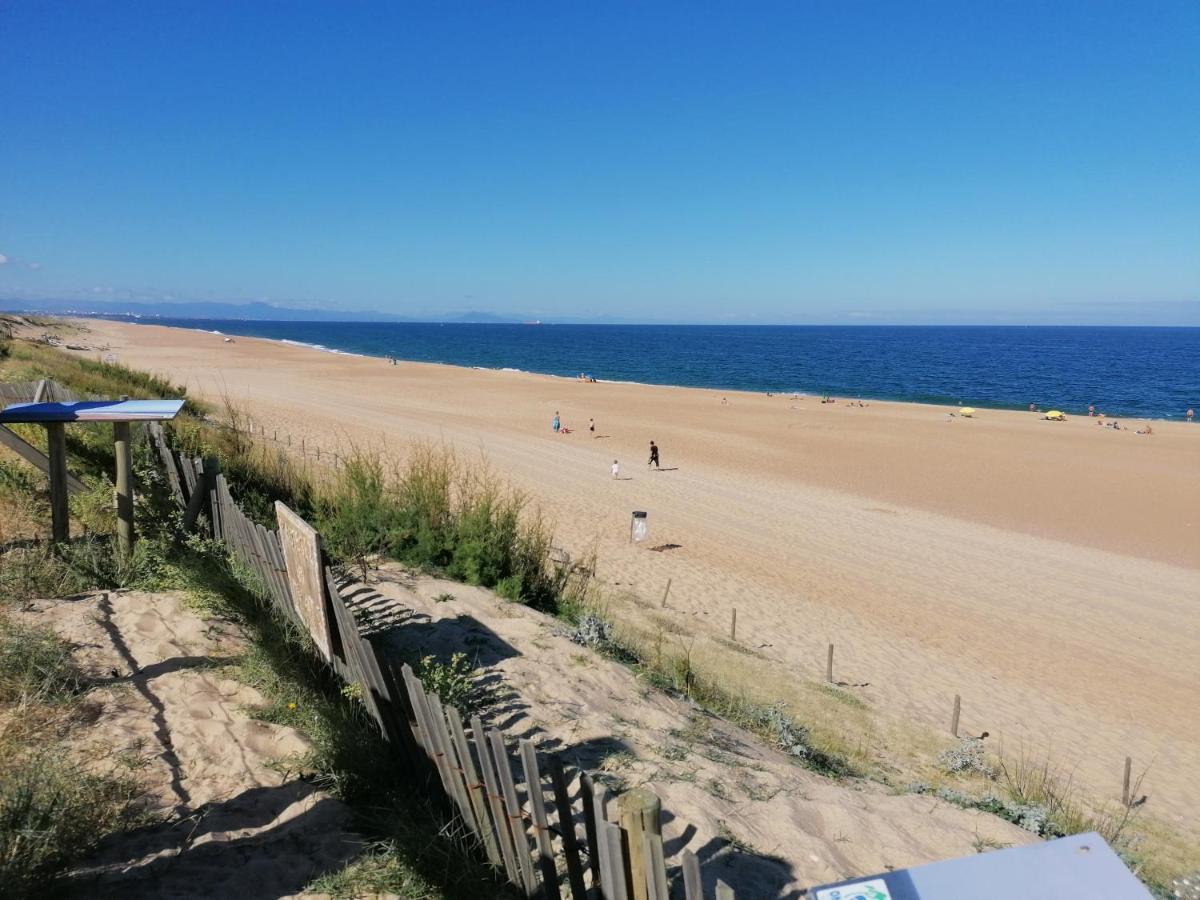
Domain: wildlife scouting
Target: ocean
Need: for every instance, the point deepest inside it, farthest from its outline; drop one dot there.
(1144, 372)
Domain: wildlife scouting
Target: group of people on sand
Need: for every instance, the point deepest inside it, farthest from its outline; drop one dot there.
(556, 424)
(559, 428)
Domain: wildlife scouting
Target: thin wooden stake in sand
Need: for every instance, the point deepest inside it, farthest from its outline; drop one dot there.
(733, 626)
(1125, 789)
(829, 665)
(667, 591)
(954, 718)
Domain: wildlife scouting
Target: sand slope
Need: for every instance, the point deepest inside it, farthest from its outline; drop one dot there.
(719, 785)
(1047, 572)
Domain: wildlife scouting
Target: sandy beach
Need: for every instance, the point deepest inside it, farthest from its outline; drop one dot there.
(1049, 573)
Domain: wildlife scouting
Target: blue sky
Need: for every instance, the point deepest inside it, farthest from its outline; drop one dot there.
(796, 162)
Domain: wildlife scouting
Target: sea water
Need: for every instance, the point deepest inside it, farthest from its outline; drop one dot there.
(1146, 372)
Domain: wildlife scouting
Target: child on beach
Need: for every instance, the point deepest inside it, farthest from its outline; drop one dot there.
(556, 424)
(616, 469)
(653, 456)
(592, 426)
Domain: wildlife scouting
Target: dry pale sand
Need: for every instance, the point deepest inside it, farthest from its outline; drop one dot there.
(1047, 572)
(721, 790)
(163, 710)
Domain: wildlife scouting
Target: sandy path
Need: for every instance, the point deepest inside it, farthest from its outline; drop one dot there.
(233, 826)
(1049, 573)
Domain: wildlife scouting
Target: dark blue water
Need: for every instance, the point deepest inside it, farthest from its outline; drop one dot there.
(1149, 372)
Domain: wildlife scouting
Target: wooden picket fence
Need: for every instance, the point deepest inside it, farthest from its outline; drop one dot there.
(552, 830)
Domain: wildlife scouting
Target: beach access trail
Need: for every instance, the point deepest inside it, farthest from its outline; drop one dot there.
(1049, 573)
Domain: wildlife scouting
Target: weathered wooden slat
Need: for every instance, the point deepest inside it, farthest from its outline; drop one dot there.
(420, 702)
(476, 790)
(214, 505)
(352, 646)
(656, 867)
(280, 566)
(199, 495)
(541, 823)
(491, 782)
(158, 441)
(512, 806)
(566, 828)
(458, 775)
(693, 887)
(603, 850)
(406, 720)
(188, 470)
(724, 891)
(587, 793)
(618, 863)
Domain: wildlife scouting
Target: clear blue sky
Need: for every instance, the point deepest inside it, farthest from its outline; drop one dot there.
(794, 162)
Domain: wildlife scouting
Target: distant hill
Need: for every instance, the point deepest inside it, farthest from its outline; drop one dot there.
(198, 310)
(266, 312)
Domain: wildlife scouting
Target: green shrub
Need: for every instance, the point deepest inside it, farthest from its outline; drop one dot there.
(457, 683)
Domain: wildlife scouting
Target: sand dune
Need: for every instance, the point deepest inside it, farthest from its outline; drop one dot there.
(1047, 572)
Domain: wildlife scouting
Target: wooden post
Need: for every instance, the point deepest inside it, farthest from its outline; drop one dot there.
(639, 815)
(829, 665)
(954, 717)
(733, 625)
(302, 452)
(124, 487)
(1125, 798)
(667, 591)
(289, 440)
(60, 513)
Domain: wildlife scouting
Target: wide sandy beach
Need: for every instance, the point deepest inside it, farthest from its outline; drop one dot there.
(1049, 573)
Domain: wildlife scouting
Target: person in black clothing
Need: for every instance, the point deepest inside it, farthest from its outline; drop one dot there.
(653, 455)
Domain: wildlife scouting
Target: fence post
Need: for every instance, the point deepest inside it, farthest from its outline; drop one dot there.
(954, 717)
(60, 513)
(829, 665)
(1125, 789)
(665, 592)
(639, 814)
(121, 450)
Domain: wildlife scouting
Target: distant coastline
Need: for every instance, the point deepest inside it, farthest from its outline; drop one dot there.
(997, 367)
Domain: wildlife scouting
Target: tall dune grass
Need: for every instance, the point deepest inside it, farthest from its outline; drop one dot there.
(436, 512)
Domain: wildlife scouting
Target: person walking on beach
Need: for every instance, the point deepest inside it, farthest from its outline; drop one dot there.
(592, 426)
(653, 456)
(1191, 416)
(557, 423)
(616, 469)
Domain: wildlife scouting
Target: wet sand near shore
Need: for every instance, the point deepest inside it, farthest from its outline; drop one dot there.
(1047, 572)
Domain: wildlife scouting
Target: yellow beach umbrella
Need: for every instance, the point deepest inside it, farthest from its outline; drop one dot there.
(967, 411)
